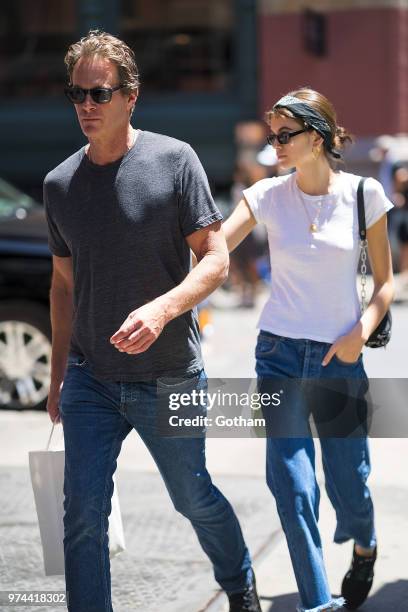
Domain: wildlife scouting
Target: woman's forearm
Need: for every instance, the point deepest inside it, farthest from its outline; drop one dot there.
(380, 302)
(238, 225)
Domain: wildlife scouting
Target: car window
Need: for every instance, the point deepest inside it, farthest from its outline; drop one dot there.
(13, 202)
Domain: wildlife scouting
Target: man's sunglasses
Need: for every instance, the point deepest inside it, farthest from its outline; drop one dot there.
(284, 137)
(100, 95)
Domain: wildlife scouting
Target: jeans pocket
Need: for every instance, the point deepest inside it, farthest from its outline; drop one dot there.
(76, 360)
(178, 383)
(266, 345)
(346, 364)
(185, 397)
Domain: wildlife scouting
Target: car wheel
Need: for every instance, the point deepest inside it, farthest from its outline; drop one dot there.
(25, 355)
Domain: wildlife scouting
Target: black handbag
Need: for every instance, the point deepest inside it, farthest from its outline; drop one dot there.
(382, 333)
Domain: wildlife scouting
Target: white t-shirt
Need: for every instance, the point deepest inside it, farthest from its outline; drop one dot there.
(313, 290)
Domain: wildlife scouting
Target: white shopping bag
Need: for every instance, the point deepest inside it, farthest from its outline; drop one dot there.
(47, 478)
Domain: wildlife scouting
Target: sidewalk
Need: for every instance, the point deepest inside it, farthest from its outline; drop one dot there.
(401, 288)
(163, 568)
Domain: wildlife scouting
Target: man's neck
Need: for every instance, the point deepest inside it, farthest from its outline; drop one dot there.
(105, 151)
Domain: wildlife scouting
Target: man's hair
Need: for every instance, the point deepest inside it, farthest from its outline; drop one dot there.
(105, 45)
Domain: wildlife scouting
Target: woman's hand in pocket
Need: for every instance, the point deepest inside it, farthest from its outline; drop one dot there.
(347, 348)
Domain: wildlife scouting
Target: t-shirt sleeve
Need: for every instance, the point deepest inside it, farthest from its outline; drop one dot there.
(196, 205)
(376, 203)
(56, 242)
(258, 196)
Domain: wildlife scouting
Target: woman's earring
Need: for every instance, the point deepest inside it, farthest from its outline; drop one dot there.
(316, 152)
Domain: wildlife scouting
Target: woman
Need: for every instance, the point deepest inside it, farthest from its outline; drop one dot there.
(311, 328)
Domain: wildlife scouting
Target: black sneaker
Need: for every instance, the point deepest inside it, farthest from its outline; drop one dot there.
(245, 601)
(358, 580)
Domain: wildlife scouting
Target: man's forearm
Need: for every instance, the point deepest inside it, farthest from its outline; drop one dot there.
(201, 281)
(61, 322)
(143, 326)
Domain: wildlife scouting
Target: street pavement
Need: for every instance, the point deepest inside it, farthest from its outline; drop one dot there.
(163, 568)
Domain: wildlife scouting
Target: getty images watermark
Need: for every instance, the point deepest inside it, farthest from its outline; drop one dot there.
(215, 407)
(281, 407)
(221, 400)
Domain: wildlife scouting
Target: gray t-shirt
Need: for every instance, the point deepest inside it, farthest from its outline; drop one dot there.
(125, 224)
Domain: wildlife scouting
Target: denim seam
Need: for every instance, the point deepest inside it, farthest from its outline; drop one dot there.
(340, 510)
(337, 505)
(122, 399)
(284, 516)
(294, 556)
(115, 445)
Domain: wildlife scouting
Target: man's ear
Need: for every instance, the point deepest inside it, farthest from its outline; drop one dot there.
(133, 98)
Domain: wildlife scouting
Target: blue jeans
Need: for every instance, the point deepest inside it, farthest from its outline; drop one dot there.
(290, 463)
(97, 416)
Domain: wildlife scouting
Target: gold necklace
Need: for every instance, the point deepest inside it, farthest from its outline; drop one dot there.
(314, 225)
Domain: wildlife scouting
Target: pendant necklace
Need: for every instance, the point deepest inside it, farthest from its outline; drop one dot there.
(314, 224)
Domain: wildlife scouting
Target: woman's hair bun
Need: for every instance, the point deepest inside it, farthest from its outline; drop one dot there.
(342, 138)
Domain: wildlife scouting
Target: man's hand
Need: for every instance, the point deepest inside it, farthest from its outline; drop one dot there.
(141, 328)
(347, 348)
(53, 404)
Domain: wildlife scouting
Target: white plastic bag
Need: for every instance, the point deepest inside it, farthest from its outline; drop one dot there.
(47, 479)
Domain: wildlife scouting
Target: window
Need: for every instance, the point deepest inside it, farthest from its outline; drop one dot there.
(34, 37)
(181, 45)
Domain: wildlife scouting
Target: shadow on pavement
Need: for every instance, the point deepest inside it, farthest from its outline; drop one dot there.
(282, 603)
(392, 596)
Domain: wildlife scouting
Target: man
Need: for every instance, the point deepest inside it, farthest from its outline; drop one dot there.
(123, 213)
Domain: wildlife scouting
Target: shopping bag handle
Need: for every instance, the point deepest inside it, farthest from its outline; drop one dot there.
(49, 439)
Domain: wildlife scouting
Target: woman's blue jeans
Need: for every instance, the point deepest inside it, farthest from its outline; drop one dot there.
(97, 416)
(295, 366)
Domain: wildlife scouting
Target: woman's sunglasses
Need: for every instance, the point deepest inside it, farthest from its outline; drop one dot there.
(100, 95)
(284, 137)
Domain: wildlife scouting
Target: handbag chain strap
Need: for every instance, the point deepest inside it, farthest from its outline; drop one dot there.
(363, 243)
(363, 274)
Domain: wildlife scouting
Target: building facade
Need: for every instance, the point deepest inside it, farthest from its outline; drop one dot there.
(197, 60)
(205, 65)
(353, 51)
